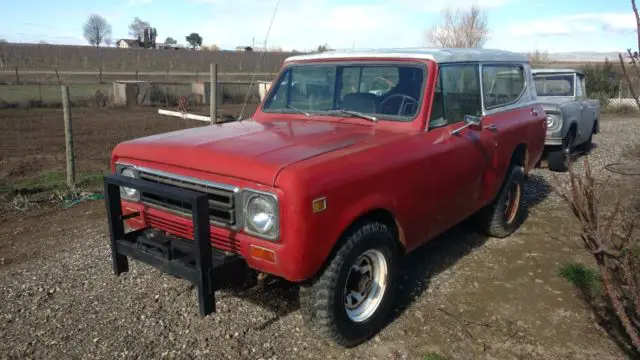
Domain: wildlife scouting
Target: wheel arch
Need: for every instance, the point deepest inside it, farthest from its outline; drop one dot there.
(378, 214)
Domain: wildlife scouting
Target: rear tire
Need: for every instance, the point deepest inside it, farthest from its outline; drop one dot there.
(558, 159)
(351, 298)
(505, 214)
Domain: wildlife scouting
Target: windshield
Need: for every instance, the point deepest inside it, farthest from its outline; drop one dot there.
(390, 91)
(554, 84)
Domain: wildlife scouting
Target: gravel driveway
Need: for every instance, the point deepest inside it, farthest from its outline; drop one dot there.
(463, 296)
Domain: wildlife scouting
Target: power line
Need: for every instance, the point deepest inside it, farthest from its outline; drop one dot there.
(262, 51)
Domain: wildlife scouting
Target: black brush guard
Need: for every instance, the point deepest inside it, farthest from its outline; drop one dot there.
(194, 260)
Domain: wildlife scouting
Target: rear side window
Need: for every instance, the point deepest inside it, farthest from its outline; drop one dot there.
(502, 84)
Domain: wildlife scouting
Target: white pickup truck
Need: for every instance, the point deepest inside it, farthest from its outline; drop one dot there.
(572, 119)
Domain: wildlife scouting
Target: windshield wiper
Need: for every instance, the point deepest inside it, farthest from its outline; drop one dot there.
(355, 113)
(300, 111)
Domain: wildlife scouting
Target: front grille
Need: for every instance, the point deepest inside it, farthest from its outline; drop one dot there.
(185, 230)
(222, 207)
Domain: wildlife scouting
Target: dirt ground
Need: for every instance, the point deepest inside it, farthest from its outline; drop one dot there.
(32, 141)
(462, 295)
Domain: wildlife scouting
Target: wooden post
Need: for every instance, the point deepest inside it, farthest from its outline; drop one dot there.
(136, 74)
(17, 77)
(624, 71)
(68, 137)
(213, 94)
(100, 75)
(58, 76)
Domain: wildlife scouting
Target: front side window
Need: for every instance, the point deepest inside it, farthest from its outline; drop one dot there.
(390, 91)
(502, 84)
(554, 84)
(457, 93)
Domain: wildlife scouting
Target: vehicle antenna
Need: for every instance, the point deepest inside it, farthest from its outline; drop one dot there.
(262, 51)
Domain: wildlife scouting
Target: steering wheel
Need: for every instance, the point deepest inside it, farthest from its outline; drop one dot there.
(403, 104)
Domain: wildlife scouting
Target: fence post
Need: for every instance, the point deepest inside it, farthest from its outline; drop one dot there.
(137, 75)
(68, 138)
(213, 94)
(17, 77)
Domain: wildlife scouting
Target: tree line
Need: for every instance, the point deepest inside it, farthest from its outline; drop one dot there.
(97, 31)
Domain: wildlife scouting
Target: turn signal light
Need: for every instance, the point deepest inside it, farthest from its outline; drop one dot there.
(261, 253)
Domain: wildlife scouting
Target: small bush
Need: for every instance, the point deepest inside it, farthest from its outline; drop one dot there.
(602, 97)
(600, 78)
(610, 238)
(624, 109)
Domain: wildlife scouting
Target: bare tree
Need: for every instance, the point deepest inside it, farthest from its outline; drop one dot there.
(136, 28)
(96, 30)
(461, 28)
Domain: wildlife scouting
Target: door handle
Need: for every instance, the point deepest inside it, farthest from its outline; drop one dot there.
(534, 112)
(492, 128)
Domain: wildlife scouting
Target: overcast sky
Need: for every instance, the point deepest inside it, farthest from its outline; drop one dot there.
(516, 25)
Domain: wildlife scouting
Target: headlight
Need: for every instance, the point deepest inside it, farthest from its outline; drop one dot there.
(261, 214)
(125, 192)
(553, 121)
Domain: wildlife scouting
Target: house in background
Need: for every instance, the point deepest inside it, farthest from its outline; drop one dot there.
(128, 43)
(249, 48)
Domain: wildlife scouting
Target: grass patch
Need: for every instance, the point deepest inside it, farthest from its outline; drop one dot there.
(50, 180)
(586, 279)
(433, 356)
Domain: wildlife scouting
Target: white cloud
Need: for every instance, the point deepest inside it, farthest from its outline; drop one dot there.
(304, 24)
(577, 24)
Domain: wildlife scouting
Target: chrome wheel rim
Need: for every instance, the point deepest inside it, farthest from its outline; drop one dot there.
(365, 286)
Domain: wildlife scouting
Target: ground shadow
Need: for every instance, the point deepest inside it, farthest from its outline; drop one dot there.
(418, 268)
(607, 319)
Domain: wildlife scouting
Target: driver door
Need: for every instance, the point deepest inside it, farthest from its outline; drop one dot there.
(457, 161)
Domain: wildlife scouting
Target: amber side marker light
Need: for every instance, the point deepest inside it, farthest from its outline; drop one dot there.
(319, 204)
(261, 253)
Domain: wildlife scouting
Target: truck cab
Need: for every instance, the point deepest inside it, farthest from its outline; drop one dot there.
(353, 160)
(572, 119)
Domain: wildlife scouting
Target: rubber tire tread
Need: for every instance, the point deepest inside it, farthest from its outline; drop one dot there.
(317, 300)
(556, 159)
(492, 219)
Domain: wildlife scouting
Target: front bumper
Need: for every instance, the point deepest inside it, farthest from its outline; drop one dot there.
(194, 261)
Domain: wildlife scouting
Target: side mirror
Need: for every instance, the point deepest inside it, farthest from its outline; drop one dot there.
(469, 121)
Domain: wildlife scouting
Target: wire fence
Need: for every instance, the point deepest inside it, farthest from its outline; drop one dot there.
(102, 95)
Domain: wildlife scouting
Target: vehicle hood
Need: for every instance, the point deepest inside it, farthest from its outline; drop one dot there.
(553, 102)
(248, 149)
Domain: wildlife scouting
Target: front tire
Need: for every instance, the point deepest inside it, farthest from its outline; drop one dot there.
(351, 298)
(505, 214)
(558, 159)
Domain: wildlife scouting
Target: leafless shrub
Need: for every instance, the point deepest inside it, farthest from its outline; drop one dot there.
(610, 238)
(461, 28)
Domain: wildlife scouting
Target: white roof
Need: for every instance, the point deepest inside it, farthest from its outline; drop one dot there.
(438, 55)
(556, 71)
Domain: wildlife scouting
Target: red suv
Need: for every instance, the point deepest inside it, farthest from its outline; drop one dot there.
(353, 160)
